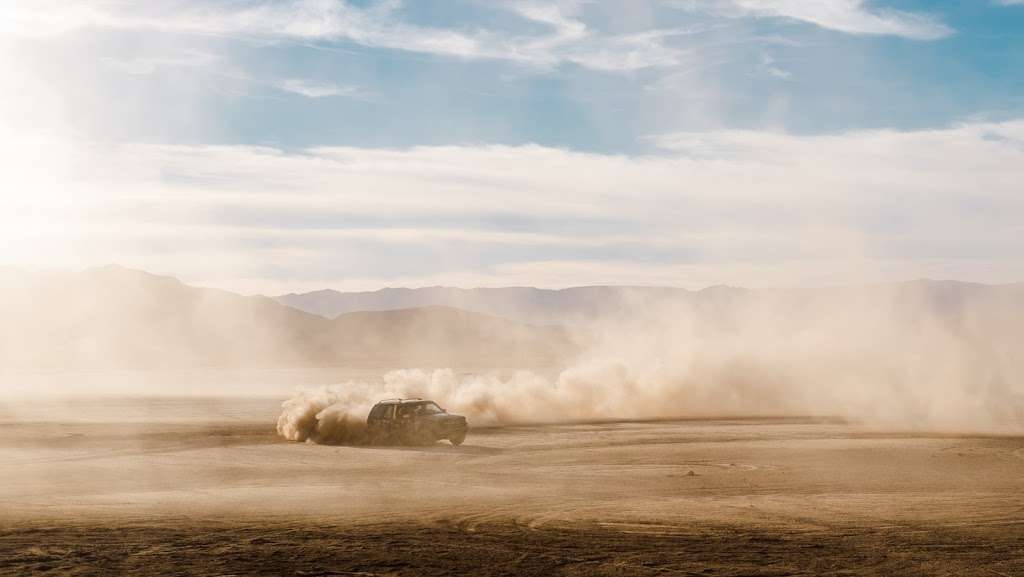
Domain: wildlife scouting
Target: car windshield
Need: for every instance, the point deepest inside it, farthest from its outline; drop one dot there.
(429, 409)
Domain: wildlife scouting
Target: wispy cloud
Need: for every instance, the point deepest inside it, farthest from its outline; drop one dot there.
(561, 17)
(770, 67)
(743, 207)
(379, 25)
(312, 89)
(849, 16)
(564, 36)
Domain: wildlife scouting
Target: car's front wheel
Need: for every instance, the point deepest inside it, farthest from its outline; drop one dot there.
(457, 438)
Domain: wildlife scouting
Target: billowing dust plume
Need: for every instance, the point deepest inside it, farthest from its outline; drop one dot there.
(891, 357)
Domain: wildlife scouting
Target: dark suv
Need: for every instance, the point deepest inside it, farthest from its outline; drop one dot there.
(414, 422)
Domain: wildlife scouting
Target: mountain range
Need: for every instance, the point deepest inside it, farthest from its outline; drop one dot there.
(569, 306)
(113, 317)
(585, 305)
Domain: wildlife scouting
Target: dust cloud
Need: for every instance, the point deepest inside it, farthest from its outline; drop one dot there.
(328, 415)
(896, 356)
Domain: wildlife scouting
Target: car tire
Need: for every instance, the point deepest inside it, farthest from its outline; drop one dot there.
(457, 439)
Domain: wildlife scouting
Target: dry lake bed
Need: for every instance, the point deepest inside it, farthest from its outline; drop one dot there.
(204, 486)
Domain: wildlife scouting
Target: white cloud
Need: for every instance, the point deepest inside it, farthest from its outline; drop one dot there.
(377, 26)
(571, 41)
(741, 207)
(566, 27)
(311, 89)
(770, 67)
(849, 16)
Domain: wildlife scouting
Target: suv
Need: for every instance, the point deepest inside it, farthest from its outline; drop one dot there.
(414, 422)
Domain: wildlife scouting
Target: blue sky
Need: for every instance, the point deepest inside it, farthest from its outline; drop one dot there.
(280, 145)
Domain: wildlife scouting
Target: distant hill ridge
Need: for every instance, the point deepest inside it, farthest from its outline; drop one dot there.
(113, 317)
(581, 305)
(526, 304)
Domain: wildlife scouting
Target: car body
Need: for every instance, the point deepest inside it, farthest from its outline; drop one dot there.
(414, 422)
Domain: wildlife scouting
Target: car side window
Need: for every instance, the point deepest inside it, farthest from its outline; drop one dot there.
(377, 412)
(389, 412)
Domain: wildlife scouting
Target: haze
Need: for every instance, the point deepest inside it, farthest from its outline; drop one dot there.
(721, 287)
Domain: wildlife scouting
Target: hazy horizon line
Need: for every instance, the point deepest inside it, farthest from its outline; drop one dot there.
(611, 285)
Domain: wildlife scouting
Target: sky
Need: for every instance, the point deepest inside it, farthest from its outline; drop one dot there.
(272, 146)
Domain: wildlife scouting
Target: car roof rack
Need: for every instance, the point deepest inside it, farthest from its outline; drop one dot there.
(400, 400)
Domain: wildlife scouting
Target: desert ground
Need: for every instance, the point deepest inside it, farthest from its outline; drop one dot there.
(204, 486)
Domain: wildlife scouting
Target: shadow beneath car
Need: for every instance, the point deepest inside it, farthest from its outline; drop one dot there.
(440, 447)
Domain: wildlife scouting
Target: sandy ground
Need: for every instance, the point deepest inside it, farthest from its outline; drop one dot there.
(205, 487)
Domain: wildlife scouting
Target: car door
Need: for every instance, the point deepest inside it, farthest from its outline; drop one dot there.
(376, 417)
(387, 426)
(404, 421)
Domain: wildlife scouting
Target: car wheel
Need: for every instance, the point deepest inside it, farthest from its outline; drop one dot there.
(457, 439)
